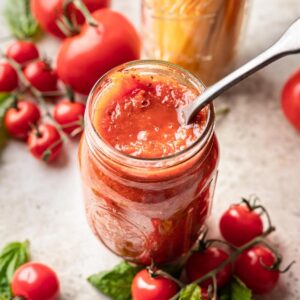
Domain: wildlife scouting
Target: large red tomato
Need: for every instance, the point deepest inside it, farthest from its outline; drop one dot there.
(84, 58)
(290, 99)
(47, 12)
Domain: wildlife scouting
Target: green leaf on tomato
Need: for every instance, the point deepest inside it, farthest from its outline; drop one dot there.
(6, 102)
(236, 290)
(20, 20)
(117, 282)
(190, 292)
(12, 256)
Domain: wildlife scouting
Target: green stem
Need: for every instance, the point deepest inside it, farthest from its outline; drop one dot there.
(231, 258)
(168, 276)
(86, 13)
(35, 92)
(222, 111)
(234, 255)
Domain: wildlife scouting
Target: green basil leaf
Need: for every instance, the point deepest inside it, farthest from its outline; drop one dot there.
(6, 102)
(12, 256)
(20, 20)
(236, 290)
(116, 283)
(190, 292)
(239, 291)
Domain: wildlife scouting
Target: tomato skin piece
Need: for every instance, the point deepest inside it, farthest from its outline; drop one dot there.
(9, 79)
(249, 267)
(290, 100)
(200, 263)
(48, 12)
(49, 137)
(84, 58)
(66, 112)
(22, 51)
(18, 120)
(41, 76)
(144, 287)
(239, 225)
(35, 281)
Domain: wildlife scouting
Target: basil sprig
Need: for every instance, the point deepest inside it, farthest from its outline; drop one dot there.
(12, 256)
(20, 20)
(116, 283)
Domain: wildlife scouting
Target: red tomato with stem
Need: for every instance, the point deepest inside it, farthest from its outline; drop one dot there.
(251, 268)
(9, 79)
(47, 13)
(35, 281)
(239, 225)
(18, 120)
(41, 76)
(290, 100)
(22, 51)
(202, 262)
(45, 142)
(67, 113)
(84, 58)
(145, 287)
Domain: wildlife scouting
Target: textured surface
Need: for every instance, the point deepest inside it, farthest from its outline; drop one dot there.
(260, 153)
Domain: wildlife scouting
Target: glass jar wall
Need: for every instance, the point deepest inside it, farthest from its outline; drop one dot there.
(147, 210)
(199, 35)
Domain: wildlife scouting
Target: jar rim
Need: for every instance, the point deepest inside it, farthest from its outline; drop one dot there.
(94, 138)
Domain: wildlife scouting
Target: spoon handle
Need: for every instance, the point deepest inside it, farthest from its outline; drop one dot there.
(289, 43)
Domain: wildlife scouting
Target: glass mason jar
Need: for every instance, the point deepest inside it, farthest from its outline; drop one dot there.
(147, 210)
(199, 35)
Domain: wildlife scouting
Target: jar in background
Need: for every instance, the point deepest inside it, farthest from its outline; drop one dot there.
(199, 35)
(147, 210)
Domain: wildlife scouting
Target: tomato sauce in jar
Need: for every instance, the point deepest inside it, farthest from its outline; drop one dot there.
(148, 180)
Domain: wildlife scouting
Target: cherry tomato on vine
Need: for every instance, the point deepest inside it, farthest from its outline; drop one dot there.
(202, 262)
(290, 100)
(69, 112)
(8, 77)
(80, 62)
(18, 120)
(41, 76)
(47, 13)
(144, 287)
(45, 142)
(35, 281)
(239, 225)
(22, 51)
(251, 268)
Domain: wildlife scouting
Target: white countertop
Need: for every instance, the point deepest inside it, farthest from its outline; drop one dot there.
(260, 153)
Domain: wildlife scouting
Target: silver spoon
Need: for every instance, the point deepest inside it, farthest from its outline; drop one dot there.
(289, 43)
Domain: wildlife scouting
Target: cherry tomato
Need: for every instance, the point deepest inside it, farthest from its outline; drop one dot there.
(18, 120)
(41, 76)
(35, 281)
(200, 263)
(67, 112)
(250, 267)
(22, 51)
(290, 100)
(8, 77)
(80, 62)
(45, 142)
(239, 225)
(47, 13)
(144, 287)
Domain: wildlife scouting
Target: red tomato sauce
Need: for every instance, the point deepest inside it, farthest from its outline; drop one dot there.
(141, 118)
